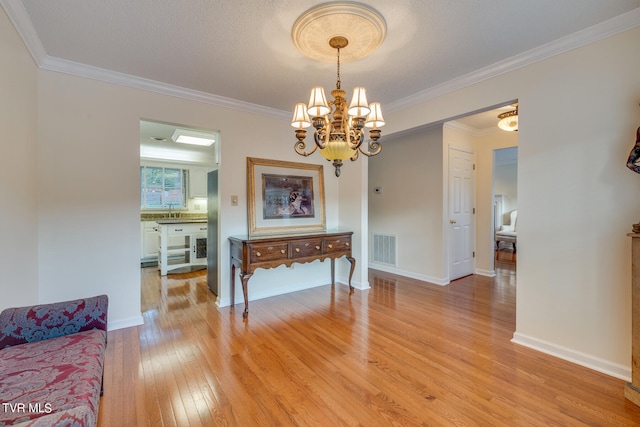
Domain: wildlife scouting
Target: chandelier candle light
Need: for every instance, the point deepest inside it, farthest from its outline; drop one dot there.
(339, 131)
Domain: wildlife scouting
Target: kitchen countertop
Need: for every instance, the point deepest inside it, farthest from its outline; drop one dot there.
(180, 221)
(164, 217)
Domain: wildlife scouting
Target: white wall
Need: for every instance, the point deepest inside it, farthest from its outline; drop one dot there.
(578, 115)
(410, 171)
(89, 203)
(353, 215)
(18, 171)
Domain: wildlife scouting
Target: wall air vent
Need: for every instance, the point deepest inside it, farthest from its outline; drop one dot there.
(385, 249)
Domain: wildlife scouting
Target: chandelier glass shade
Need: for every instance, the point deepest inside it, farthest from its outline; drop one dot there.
(509, 120)
(339, 131)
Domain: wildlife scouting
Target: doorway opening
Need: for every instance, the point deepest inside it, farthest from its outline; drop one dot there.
(176, 191)
(481, 130)
(505, 207)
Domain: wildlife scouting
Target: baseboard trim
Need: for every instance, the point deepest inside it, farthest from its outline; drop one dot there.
(361, 286)
(443, 281)
(600, 365)
(488, 273)
(113, 325)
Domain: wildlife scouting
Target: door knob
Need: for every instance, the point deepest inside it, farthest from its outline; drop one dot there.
(452, 221)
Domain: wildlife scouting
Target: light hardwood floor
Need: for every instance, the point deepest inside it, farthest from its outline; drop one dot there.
(404, 352)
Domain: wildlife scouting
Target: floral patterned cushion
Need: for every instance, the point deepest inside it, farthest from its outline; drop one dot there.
(53, 382)
(29, 324)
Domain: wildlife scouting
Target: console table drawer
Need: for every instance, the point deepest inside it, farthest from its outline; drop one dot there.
(268, 252)
(306, 248)
(341, 243)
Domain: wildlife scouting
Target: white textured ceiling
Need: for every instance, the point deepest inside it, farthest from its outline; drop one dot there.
(243, 50)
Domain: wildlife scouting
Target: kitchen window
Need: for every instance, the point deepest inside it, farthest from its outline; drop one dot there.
(163, 188)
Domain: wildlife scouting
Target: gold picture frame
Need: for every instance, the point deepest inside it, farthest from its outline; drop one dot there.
(284, 197)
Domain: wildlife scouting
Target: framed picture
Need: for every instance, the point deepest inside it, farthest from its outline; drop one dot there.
(284, 197)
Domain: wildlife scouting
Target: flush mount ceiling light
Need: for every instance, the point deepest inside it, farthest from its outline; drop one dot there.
(193, 137)
(321, 33)
(509, 120)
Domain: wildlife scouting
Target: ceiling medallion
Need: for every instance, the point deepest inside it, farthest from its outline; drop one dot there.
(339, 131)
(363, 27)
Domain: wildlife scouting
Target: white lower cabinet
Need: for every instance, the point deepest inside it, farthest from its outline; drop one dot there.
(181, 245)
(149, 237)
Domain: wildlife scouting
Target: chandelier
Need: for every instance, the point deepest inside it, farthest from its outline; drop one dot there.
(339, 131)
(339, 134)
(509, 120)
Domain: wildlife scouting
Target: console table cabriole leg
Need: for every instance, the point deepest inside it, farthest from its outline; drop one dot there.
(233, 284)
(245, 279)
(353, 267)
(333, 271)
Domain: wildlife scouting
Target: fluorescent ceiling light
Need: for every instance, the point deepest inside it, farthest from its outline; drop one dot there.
(150, 152)
(193, 137)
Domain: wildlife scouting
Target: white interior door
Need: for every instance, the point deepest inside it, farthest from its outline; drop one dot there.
(461, 211)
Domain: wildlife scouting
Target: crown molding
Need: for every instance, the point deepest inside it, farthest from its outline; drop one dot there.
(82, 70)
(20, 19)
(461, 127)
(600, 31)
(22, 23)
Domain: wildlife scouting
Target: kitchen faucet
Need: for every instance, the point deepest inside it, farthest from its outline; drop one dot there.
(172, 214)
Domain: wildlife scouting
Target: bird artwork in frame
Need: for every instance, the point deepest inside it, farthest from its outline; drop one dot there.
(634, 155)
(284, 197)
(632, 163)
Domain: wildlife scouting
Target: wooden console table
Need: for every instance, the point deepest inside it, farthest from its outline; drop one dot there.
(249, 254)
(632, 389)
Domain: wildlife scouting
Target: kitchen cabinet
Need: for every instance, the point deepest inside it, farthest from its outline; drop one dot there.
(198, 182)
(181, 244)
(149, 238)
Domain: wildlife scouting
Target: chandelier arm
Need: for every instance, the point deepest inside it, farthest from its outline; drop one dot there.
(299, 146)
(349, 135)
(321, 136)
(358, 133)
(318, 141)
(354, 157)
(357, 138)
(374, 148)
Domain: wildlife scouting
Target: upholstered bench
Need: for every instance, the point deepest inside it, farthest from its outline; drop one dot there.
(51, 363)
